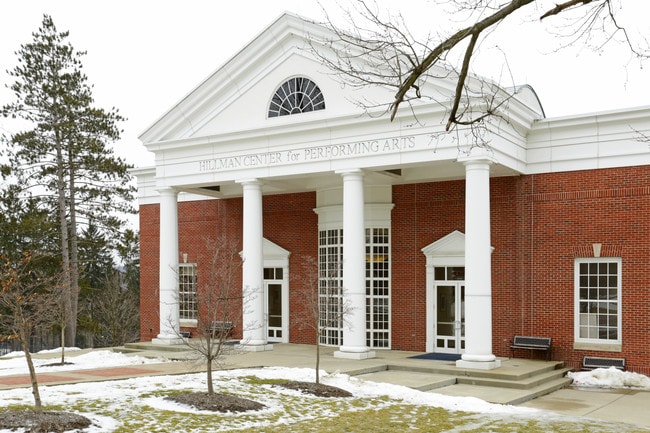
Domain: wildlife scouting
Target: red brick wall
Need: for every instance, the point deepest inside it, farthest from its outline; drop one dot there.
(540, 224)
(208, 232)
(568, 213)
(149, 271)
(423, 213)
(289, 221)
(199, 223)
(509, 241)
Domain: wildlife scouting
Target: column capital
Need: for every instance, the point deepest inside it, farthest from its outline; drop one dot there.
(350, 172)
(477, 155)
(167, 190)
(250, 181)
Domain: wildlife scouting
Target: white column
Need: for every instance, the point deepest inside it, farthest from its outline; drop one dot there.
(354, 269)
(168, 276)
(254, 326)
(478, 267)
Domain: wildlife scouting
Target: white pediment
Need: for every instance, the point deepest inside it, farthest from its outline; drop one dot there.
(273, 251)
(449, 250)
(235, 98)
(451, 245)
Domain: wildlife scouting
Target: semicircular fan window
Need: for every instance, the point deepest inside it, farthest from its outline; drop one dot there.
(297, 95)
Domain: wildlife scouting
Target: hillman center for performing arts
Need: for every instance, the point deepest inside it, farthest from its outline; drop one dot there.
(424, 240)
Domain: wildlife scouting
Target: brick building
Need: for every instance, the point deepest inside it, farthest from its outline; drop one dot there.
(427, 241)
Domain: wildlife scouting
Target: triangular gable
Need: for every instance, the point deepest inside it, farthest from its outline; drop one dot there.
(235, 98)
(274, 255)
(449, 250)
(273, 251)
(451, 245)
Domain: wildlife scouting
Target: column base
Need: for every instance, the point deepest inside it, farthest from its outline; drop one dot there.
(478, 365)
(168, 340)
(355, 355)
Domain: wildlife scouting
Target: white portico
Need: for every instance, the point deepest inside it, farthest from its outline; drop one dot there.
(241, 133)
